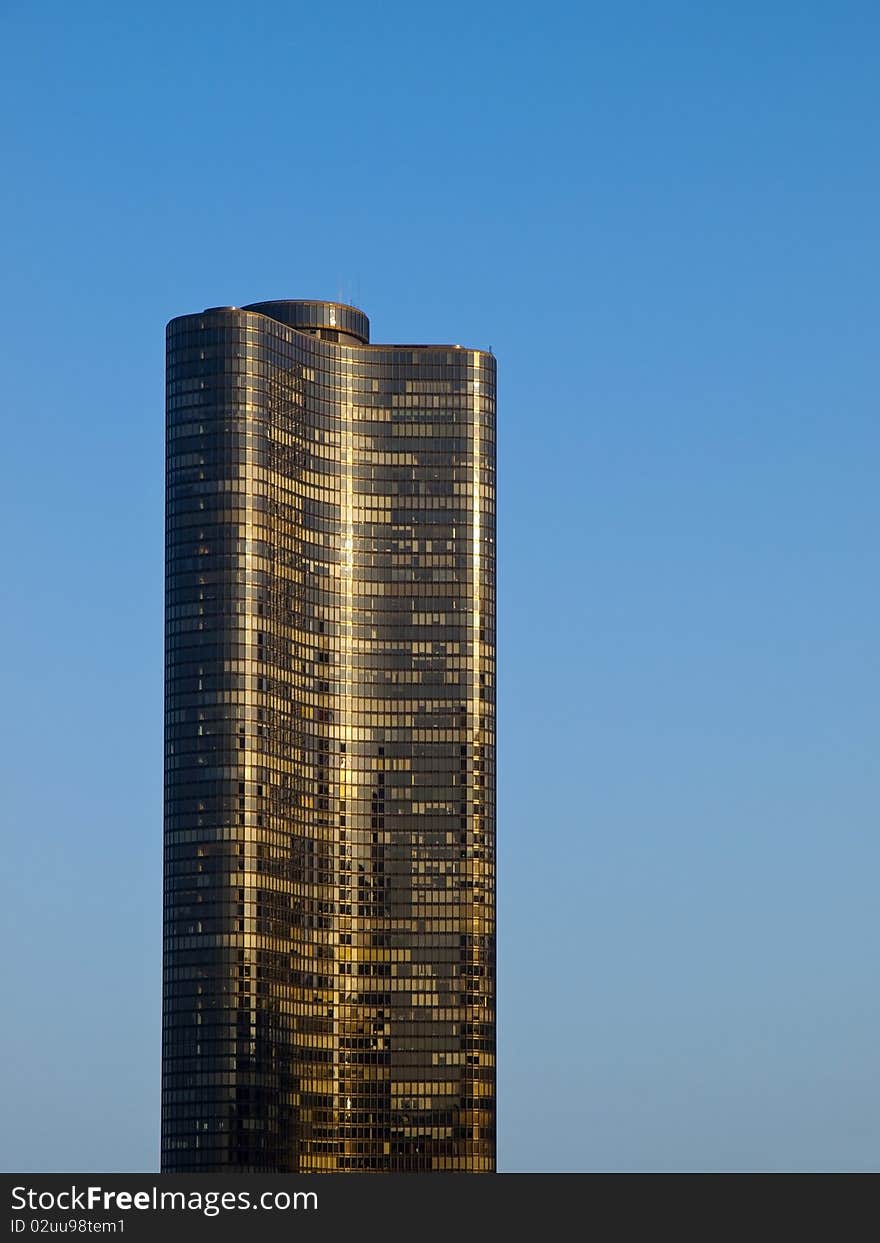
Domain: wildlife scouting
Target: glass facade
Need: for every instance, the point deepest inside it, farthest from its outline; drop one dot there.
(329, 948)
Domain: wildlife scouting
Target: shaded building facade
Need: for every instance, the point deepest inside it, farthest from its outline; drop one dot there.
(329, 918)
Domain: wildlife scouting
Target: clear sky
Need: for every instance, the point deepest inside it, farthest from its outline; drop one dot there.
(663, 218)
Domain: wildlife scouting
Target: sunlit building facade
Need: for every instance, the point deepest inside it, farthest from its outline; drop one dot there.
(329, 920)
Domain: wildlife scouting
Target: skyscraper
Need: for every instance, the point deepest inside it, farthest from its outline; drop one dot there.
(329, 950)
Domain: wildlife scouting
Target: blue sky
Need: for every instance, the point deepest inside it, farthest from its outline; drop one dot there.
(663, 220)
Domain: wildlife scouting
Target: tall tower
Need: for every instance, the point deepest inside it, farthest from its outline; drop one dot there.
(329, 949)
